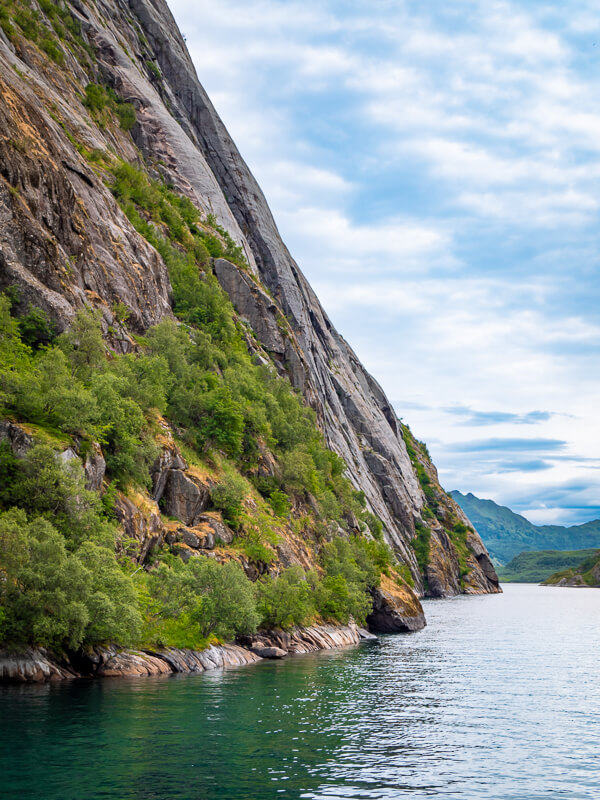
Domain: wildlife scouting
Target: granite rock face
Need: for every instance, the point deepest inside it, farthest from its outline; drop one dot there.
(65, 242)
(184, 497)
(395, 609)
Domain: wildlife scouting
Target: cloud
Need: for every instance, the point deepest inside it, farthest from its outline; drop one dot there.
(534, 465)
(434, 169)
(508, 445)
(481, 418)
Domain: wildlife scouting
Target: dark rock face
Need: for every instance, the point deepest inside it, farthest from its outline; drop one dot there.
(146, 528)
(395, 609)
(16, 437)
(184, 497)
(94, 467)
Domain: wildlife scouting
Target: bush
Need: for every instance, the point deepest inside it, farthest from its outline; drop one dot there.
(44, 487)
(280, 503)
(36, 329)
(52, 50)
(126, 115)
(96, 97)
(61, 599)
(421, 544)
(213, 599)
(286, 600)
(228, 496)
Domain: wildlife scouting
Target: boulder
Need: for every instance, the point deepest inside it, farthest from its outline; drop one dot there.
(196, 538)
(184, 497)
(268, 652)
(396, 609)
(18, 439)
(221, 533)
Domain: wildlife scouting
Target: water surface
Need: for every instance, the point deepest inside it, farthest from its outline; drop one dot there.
(498, 697)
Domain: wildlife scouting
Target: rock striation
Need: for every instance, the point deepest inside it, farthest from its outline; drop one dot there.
(39, 666)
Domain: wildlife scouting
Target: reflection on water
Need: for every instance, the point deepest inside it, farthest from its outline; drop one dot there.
(497, 698)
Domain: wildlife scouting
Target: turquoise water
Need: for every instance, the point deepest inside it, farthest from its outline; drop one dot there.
(498, 697)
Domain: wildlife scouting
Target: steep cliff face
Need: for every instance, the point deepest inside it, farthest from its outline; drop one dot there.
(65, 242)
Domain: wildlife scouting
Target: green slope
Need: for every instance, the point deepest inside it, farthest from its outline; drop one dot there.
(537, 566)
(507, 534)
(587, 573)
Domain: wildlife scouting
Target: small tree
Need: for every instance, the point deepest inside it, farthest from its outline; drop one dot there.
(215, 598)
(286, 600)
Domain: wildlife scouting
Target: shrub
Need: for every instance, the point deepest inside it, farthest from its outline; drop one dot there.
(96, 97)
(228, 496)
(36, 329)
(421, 545)
(44, 487)
(56, 598)
(52, 50)
(285, 600)
(280, 503)
(214, 598)
(126, 115)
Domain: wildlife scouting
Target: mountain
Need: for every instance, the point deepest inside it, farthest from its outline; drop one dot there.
(159, 336)
(507, 534)
(537, 566)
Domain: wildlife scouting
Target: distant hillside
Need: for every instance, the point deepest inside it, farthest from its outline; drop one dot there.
(507, 534)
(535, 567)
(586, 574)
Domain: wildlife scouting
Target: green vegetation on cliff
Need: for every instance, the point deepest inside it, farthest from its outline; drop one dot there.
(434, 509)
(71, 391)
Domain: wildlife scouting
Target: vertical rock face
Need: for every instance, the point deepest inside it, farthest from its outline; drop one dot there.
(64, 240)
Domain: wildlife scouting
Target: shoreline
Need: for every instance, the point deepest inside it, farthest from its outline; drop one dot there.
(37, 665)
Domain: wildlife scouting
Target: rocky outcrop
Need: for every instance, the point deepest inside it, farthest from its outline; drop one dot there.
(32, 666)
(585, 576)
(184, 497)
(307, 640)
(94, 467)
(141, 524)
(443, 569)
(63, 239)
(16, 437)
(395, 609)
(38, 666)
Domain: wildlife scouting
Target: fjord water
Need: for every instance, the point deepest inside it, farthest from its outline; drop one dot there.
(498, 697)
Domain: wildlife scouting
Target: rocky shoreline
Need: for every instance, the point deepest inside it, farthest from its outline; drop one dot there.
(40, 666)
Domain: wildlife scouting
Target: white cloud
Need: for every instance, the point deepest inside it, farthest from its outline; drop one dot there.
(404, 158)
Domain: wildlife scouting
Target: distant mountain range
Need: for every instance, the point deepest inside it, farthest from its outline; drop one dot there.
(507, 534)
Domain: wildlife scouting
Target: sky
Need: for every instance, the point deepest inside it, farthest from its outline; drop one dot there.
(434, 168)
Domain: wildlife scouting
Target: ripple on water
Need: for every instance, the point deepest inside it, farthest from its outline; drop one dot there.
(497, 698)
